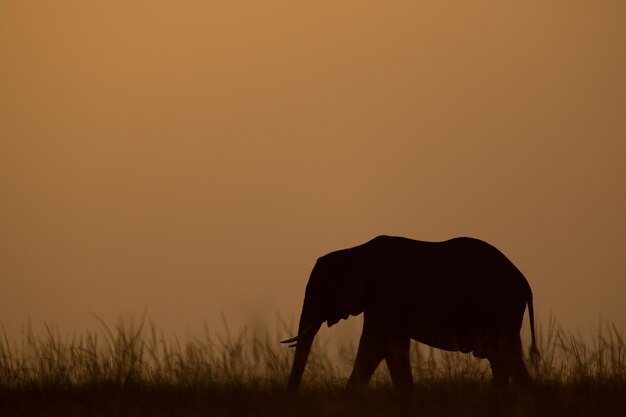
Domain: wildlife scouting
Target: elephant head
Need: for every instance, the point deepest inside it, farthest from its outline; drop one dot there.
(336, 290)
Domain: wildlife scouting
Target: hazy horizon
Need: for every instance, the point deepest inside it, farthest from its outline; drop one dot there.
(195, 158)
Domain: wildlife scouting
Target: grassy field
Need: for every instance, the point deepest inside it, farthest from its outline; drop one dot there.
(132, 370)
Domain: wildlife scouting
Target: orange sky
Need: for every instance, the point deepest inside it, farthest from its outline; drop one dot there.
(196, 157)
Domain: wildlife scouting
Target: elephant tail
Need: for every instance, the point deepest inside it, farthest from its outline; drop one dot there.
(533, 351)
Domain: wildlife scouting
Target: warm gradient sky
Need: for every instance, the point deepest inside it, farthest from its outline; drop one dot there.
(194, 157)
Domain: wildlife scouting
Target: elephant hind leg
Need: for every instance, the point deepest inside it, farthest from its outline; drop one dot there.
(499, 369)
(519, 373)
(499, 352)
(507, 362)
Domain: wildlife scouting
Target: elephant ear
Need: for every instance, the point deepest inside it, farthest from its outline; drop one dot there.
(349, 276)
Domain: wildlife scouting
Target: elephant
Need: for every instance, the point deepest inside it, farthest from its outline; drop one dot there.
(461, 294)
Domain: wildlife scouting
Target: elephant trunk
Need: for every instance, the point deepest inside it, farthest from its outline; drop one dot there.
(303, 347)
(311, 319)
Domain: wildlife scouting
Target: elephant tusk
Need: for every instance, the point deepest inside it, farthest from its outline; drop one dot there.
(295, 338)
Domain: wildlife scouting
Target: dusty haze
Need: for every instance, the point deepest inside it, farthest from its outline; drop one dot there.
(196, 157)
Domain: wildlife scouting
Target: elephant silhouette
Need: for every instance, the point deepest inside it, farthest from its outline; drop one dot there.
(458, 295)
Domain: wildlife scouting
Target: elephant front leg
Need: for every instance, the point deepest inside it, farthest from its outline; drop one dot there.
(369, 355)
(398, 361)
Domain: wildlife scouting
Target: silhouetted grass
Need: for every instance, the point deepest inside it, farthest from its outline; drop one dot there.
(132, 369)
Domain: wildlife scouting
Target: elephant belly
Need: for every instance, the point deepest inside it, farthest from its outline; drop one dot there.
(453, 338)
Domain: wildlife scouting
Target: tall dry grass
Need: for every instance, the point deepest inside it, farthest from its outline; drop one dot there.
(138, 353)
(132, 369)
